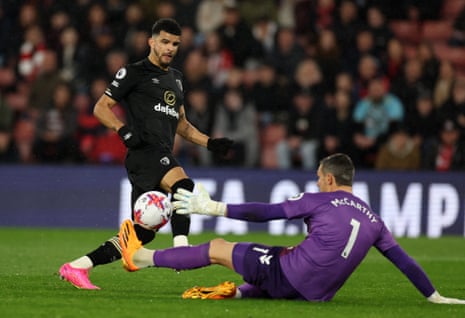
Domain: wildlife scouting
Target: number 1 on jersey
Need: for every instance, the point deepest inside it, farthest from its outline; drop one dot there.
(353, 236)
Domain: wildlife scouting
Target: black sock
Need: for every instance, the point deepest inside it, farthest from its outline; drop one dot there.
(110, 251)
(105, 253)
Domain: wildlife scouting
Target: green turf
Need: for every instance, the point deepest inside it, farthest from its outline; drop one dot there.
(29, 285)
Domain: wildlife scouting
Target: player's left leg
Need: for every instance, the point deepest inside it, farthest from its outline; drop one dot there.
(173, 180)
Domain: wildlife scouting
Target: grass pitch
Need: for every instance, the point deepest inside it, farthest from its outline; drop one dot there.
(30, 286)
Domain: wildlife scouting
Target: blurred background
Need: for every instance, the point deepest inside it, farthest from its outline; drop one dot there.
(291, 81)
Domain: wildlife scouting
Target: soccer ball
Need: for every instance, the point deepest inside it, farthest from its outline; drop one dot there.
(152, 210)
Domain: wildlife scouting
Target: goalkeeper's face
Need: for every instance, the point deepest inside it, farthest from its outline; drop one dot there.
(163, 48)
(325, 181)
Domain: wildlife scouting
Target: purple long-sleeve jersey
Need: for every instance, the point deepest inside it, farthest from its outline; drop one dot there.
(341, 229)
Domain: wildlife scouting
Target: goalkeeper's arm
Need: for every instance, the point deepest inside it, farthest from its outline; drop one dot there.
(417, 276)
(187, 202)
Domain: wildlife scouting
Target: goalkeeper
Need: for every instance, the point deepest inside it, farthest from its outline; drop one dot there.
(341, 228)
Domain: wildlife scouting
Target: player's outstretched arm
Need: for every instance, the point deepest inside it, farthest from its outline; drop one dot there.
(200, 203)
(417, 276)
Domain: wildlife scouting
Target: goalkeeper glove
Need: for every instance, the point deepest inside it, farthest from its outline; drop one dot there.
(188, 202)
(219, 145)
(438, 299)
(130, 139)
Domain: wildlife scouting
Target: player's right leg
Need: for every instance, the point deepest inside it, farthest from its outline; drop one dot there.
(77, 271)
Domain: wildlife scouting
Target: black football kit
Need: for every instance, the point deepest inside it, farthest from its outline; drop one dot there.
(152, 98)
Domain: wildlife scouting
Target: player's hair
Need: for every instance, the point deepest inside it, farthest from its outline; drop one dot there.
(340, 166)
(168, 25)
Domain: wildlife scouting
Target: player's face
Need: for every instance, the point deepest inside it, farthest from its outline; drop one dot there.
(321, 180)
(163, 48)
(324, 181)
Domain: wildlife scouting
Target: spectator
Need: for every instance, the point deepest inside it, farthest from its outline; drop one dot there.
(458, 35)
(430, 64)
(393, 61)
(43, 87)
(107, 147)
(422, 123)
(137, 47)
(377, 24)
(8, 151)
(196, 71)
(313, 16)
(364, 46)
(133, 25)
(454, 107)
(345, 82)
(219, 59)
(71, 54)
(187, 45)
(31, 53)
(308, 77)
(100, 40)
(201, 112)
(237, 35)
(444, 83)
(165, 9)
(373, 114)
(27, 17)
(59, 21)
(56, 128)
(287, 53)
(89, 127)
(448, 151)
(328, 56)
(209, 15)
(23, 135)
(338, 126)
(368, 68)
(399, 152)
(114, 60)
(264, 31)
(184, 10)
(347, 24)
(238, 119)
(300, 147)
(409, 84)
(269, 96)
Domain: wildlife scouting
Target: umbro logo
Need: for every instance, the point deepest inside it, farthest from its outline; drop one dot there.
(265, 259)
(165, 161)
(155, 80)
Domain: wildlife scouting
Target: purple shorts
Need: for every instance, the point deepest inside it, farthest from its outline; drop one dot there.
(259, 266)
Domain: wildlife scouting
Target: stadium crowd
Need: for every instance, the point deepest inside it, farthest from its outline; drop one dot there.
(291, 81)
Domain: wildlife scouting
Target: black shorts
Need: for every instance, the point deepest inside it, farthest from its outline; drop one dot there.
(147, 166)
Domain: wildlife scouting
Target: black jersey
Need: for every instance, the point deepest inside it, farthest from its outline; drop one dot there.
(153, 98)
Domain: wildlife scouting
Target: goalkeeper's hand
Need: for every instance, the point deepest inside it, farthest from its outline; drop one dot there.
(188, 202)
(438, 299)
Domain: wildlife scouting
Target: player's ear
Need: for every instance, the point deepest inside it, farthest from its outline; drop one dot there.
(330, 180)
(151, 41)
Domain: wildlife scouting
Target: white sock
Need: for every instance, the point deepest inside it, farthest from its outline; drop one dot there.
(180, 240)
(82, 262)
(238, 293)
(143, 258)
